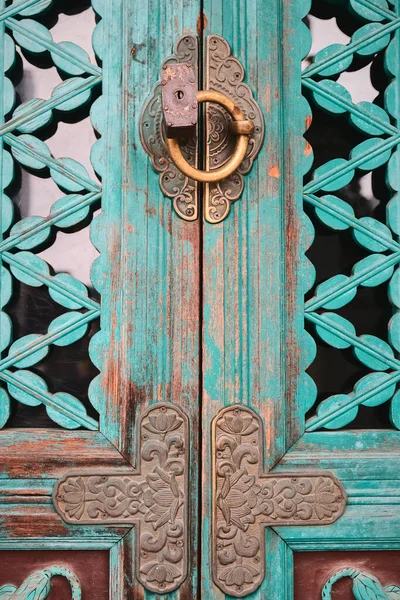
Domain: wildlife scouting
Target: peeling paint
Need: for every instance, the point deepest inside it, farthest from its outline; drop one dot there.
(201, 23)
(274, 172)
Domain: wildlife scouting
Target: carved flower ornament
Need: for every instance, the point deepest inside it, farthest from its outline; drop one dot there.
(162, 423)
(74, 497)
(161, 572)
(238, 424)
(239, 575)
(163, 498)
(237, 498)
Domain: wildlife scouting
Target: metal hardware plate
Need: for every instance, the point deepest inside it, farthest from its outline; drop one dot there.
(154, 498)
(173, 183)
(222, 73)
(246, 500)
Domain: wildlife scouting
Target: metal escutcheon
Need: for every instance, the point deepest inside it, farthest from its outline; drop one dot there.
(232, 122)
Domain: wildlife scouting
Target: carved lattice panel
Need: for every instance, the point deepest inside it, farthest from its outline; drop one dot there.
(334, 202)
(26, 33)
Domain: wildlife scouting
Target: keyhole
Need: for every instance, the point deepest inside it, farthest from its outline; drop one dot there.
(179, 94)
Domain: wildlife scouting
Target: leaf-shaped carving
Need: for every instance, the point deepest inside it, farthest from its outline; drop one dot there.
(37, 585)
(365, 586)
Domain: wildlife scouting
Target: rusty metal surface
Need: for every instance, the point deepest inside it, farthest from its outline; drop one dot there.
(179, 99)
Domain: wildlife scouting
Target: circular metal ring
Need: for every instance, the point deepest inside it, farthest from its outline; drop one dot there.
(244, 128)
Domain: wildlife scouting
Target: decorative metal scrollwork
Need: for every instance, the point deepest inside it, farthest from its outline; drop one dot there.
(154, 498)
(172, 182)
(224, 74)
(245, 500)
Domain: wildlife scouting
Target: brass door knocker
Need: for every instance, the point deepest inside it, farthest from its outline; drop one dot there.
(241, 127)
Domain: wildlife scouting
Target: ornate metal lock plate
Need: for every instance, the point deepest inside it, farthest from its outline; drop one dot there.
(154, 498)
(246, 500)
(223, 75)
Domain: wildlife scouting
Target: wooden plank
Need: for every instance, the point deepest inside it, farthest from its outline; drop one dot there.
(32, 461)
(122, 580)
(360, 528)
(252, 317)
(48, 453)
(39, 522)
(279, 567)
(352, 455)
(148, 272)
(66, 542)
(149, 257)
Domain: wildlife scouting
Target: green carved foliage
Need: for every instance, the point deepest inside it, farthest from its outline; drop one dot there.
(364, 586)
(367, 587)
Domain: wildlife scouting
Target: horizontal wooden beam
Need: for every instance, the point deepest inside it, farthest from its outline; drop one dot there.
(47, 454)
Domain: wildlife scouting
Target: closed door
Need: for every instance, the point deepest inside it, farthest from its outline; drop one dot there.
(198, 368)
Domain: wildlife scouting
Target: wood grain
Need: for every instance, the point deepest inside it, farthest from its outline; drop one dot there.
(251, 312)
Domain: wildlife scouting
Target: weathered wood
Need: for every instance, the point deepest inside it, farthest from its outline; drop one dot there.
(252, 316)
(47, 454)
(122, 577)
(255, 276)
(148, 272)
(29, 524)
(352, 454)
(159, 277)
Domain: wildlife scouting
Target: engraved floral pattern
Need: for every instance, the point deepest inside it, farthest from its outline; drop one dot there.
(226, 75)
(246, 500)
(154, 498)
(173, 183)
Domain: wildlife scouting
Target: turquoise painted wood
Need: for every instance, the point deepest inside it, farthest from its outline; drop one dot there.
(147, 274)
(255, 349)
(252, 262)
(201, 315)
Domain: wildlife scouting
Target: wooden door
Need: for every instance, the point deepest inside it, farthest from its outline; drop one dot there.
(213, 412)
